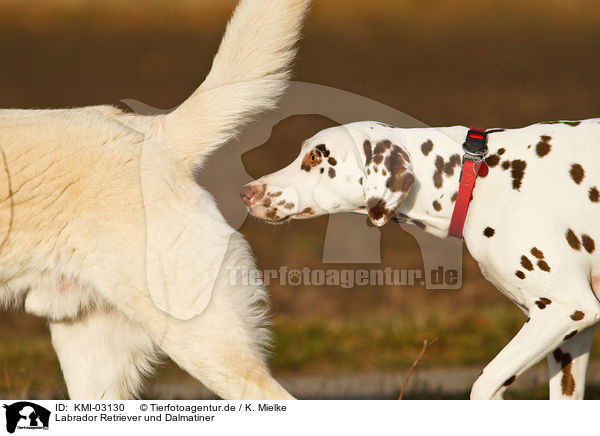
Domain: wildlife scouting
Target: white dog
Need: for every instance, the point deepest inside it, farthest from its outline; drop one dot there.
(532, 223)
(104, 232)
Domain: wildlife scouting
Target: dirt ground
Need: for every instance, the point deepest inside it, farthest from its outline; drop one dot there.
(494, 64)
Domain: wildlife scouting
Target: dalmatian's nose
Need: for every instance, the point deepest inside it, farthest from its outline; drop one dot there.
(247, 193)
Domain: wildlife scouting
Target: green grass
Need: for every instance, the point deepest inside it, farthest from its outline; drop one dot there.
(370, 343)
(28, 365)
(377, 343)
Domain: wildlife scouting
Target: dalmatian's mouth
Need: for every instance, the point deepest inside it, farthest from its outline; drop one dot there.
(281, 220)
(306, 213)
(270, 217)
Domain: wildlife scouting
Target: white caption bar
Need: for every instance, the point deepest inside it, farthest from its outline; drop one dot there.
(291, 418)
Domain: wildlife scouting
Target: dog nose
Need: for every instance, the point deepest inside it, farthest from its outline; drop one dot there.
(247, 193)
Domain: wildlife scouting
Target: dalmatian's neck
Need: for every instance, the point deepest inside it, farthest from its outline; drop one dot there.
(436, 160)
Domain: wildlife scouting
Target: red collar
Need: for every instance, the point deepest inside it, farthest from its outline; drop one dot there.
(475, 149)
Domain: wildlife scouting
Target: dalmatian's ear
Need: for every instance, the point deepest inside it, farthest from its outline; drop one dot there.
(388, 179)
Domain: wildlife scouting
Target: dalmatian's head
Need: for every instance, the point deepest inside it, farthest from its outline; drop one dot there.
(340, 169)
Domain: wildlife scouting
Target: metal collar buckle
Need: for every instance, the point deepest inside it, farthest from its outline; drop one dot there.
(475, 145)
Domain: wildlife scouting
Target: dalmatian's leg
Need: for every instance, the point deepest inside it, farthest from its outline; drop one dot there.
(550, 322)
(567, 366)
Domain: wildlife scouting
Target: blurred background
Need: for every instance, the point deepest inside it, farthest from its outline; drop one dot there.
(497, 63)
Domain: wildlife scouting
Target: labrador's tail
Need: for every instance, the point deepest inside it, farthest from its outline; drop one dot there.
(249, 73)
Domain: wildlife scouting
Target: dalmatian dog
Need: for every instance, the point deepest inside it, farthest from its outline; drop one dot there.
(532, 224)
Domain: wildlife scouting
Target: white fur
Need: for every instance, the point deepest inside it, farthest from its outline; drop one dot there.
(101, 222)
(537, 214)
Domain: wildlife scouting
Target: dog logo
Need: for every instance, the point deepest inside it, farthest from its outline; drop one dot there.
(26, 415)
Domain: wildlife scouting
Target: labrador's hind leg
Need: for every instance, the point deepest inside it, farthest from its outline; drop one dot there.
(224, 345)
(103, 355)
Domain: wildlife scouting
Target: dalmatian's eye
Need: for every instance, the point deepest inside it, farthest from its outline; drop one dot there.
(312, 159)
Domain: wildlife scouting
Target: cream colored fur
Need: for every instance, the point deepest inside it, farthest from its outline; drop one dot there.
(104, 231)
